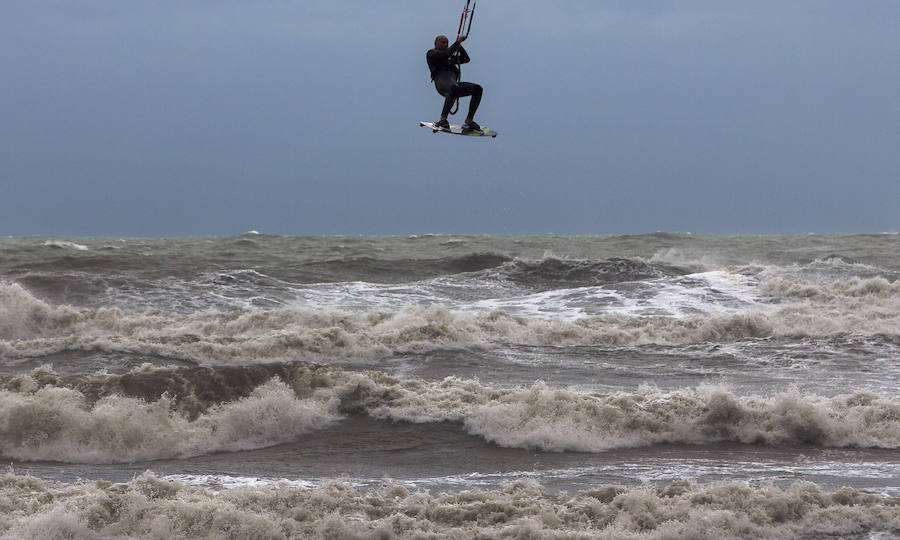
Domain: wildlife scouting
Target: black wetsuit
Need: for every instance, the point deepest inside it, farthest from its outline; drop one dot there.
(445, 74)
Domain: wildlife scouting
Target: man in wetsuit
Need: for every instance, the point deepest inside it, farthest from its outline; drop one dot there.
(442, 61)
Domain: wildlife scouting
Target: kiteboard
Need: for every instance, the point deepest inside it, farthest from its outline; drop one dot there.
(457, 130)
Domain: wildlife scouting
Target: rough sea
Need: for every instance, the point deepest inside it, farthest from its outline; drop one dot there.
(647, 386)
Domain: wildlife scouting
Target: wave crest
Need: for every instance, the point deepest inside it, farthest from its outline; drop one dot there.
(61, 424)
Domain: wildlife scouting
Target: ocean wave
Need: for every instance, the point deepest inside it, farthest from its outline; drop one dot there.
(852, 292)
(65, 245)
(61, 424)
(379, 269)
(551, 272)
(30, 327)
(150, 507)
(155, 413)
(386, 270)
(550, 419)
(689, 260)
(810, 263)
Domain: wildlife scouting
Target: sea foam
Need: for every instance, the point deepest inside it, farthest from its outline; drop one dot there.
(149, 507)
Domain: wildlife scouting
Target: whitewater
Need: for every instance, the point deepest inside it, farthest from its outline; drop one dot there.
(444, 386)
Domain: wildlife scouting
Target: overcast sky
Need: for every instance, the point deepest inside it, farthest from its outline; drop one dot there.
(171, 118)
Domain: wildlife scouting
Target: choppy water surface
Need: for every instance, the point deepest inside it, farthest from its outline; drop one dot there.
(643, 386)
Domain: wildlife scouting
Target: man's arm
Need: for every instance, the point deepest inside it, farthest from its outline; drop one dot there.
(437, 59)
(437, 56)
(463, 55)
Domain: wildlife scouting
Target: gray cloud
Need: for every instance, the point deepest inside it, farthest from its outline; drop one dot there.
(168, 118)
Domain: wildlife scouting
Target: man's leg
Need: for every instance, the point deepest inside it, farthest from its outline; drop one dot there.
(470, 89)
(448, 102)
(459, 90)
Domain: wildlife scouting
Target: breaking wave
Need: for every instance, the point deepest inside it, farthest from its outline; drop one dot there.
(62, 424)
(61, 244)
(856, 289)
(150, 507)
(155, 413)
(30, 327)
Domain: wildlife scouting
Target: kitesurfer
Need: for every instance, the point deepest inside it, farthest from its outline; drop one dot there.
(443, 63)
